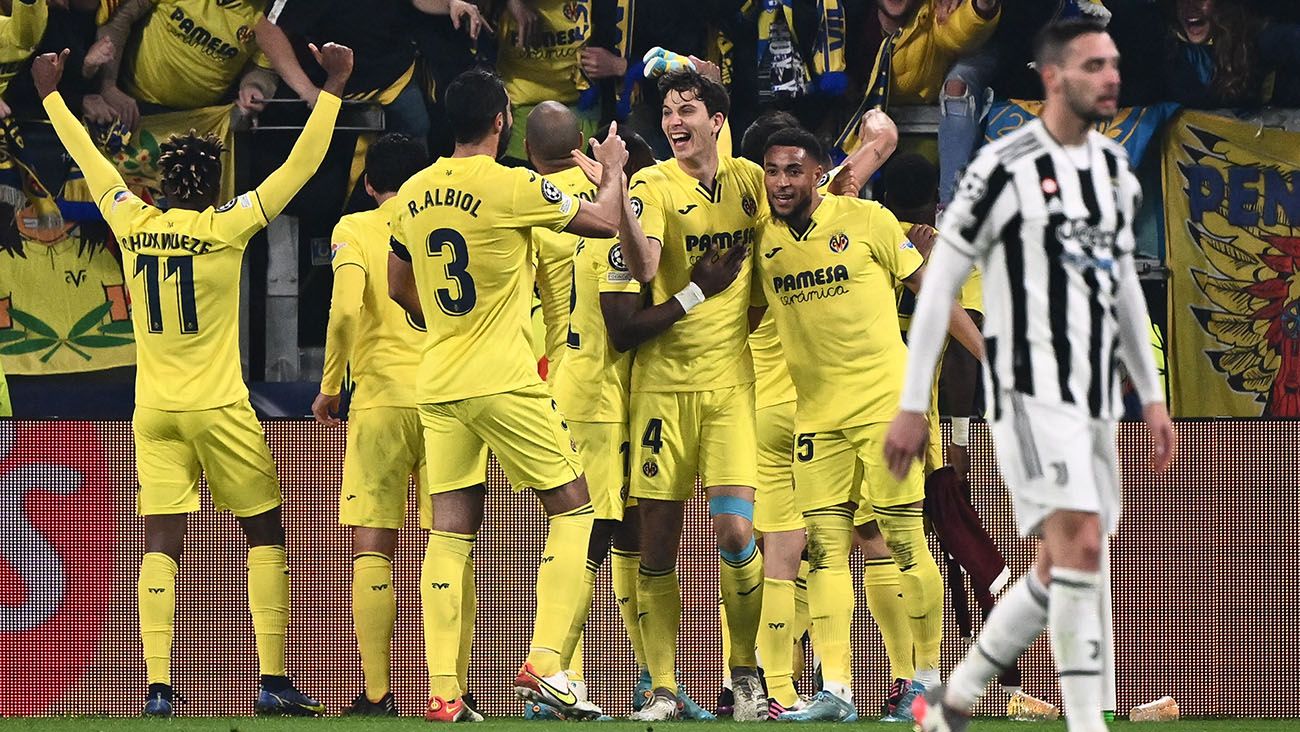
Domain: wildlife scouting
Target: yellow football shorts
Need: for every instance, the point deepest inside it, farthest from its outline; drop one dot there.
(604, 450)
(848, 466)
(774, 504)
(677, 435)
(385, 450)
(226, 443)
(523, 428)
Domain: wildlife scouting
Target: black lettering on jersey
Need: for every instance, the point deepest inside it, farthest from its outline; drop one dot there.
(157, 240)
(445, 197)
(723, 239)
(810, 278)
(202, 38)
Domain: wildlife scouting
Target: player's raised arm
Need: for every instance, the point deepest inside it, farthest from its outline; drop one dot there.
(600, 218)
(101, 176)
(282, 185)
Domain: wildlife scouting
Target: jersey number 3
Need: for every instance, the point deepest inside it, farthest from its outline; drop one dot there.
(180, 269)
(456, 265)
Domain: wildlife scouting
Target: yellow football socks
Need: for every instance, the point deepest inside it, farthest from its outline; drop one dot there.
(830, 594)
(559, 581)
(156, 595)
(802, 621)
(775, 647)
(374, 609)
(659, 602)
(622, 573)
(468, 608)
(740, 577)
(571, 654)
(921, 582)
(880, 582)
(268, 601)
(442, 601)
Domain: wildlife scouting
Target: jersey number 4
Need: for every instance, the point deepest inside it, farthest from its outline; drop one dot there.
(180, 269)
(462, 300)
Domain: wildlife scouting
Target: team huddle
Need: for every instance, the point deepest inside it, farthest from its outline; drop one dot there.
(710, 321)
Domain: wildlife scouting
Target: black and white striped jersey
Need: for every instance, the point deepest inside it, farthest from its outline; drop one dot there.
(1049, 226)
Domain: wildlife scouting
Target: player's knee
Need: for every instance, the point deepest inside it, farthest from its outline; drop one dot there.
(903, 538)
(735, 535)
(264, 529)
(368, 540)
(1084, 553)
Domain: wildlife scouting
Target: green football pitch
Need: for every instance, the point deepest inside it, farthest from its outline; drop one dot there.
(335, 724)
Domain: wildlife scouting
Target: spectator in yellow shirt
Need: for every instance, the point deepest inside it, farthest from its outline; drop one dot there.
(20, 31)
(933, 42)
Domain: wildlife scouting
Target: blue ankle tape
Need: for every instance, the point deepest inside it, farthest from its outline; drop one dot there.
(742, 555)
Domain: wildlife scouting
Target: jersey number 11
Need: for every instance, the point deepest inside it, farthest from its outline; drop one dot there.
(180, 269)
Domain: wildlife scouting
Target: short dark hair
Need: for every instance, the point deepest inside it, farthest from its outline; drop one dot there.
(1051, 40)
(796, 137)
(713, 94)
(473, 101)
(392, 159)
(753, 142)
(190, 167)
(910, 181)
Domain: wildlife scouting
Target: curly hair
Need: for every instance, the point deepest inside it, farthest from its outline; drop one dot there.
(190, 166)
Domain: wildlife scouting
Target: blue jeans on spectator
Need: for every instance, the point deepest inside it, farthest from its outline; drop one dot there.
(964, 99)
(408, 115)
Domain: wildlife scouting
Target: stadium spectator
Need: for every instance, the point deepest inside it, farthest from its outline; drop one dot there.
(1222, 54)
(380, 30)
(552, 50)
(182, 54)
(20, 31)
(918, 60)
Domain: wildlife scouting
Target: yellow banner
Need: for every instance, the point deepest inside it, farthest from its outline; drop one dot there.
(137, 160)
(1232, 221)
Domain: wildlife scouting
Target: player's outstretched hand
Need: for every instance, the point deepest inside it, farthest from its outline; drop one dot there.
(1163, 440)
(47, 69)
(612, 151)
(324, 407)
(845, 182)
(717, 270)
(590, 168)
(905, 441)
(336, 59)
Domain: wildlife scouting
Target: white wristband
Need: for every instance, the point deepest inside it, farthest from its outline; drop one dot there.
(961, 431)
(690, 296)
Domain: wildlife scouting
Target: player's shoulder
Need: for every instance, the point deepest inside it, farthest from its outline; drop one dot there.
(651, 177)
(1006, 151)
(743, 167)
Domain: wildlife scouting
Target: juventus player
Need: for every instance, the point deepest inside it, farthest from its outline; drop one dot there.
(1047, 212)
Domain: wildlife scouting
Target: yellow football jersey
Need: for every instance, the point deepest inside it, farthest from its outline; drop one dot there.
(548, 70)
(182, 267)
(830, 289)
(189, 52)
(772, 384)
(707, 349)
(971, 295)
(386, 344)
(464, 224)
(19, 35)
(593, 379)
(553, 254)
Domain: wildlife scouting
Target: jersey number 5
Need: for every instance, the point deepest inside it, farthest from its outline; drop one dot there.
(181, 269)
(457, 268)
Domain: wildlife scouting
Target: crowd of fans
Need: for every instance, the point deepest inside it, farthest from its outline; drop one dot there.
(824, 61)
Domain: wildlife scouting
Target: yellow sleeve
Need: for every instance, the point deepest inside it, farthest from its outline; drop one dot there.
(971, 295)
(966, 30)
(282, 185)
(614, 276)
(649, 211)
(539, 202)
(120, 207)
(27, 24)
(890, 245)
(345, 309)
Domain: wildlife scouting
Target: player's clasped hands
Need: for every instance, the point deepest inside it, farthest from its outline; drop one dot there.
(716, 270)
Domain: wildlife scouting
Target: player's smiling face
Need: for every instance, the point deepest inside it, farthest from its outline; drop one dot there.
(790, 177)
(690, 129)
